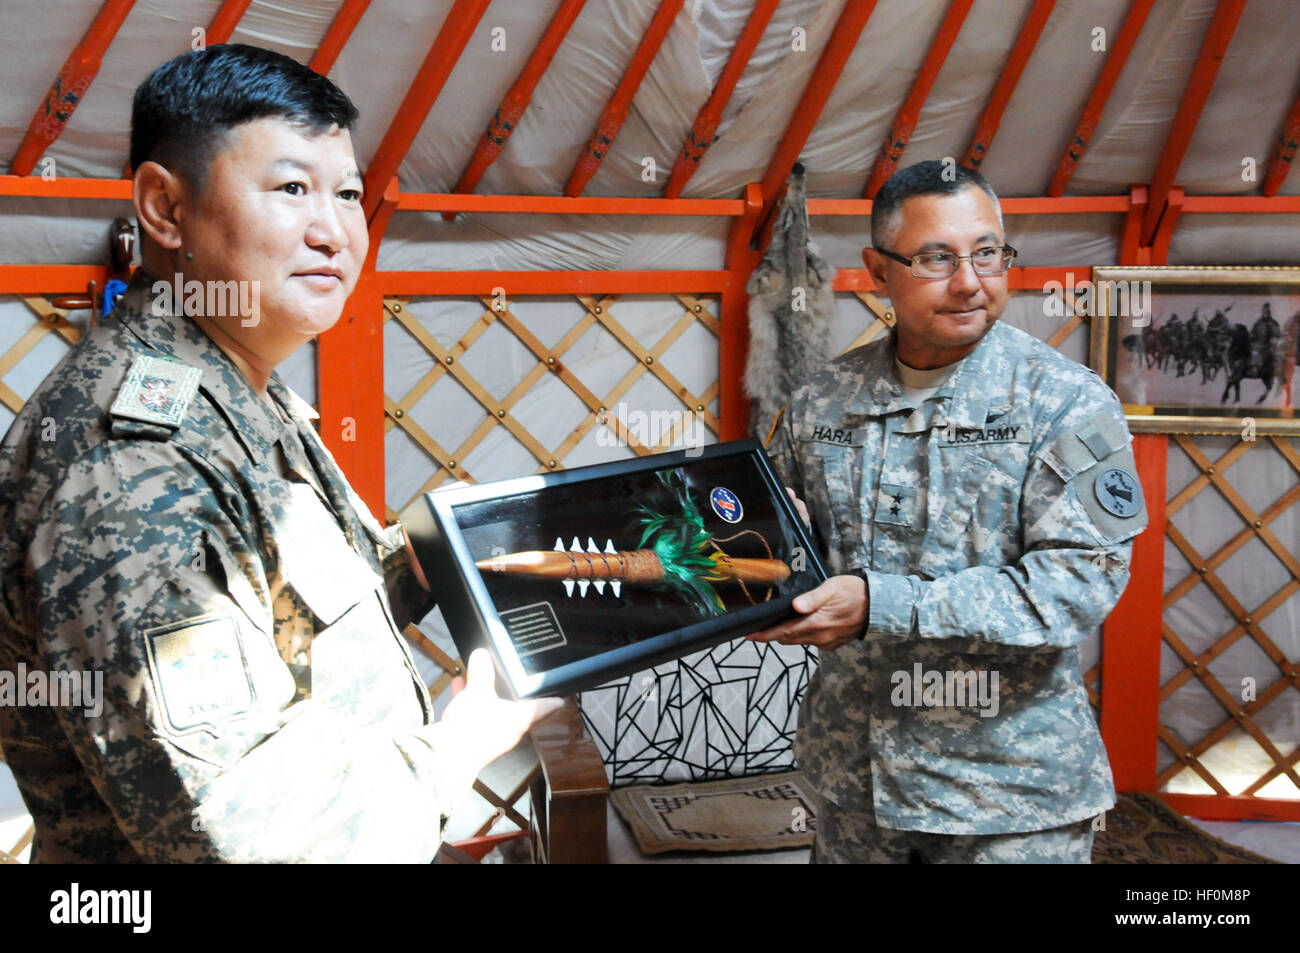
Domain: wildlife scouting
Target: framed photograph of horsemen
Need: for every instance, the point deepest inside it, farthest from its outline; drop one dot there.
(578, 577)
(1199, 350)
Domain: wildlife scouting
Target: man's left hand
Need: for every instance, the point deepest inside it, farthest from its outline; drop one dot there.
(833, 614)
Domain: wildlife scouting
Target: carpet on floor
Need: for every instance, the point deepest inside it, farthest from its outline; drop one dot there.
(777, 811)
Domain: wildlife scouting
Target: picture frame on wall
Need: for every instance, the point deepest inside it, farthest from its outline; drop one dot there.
(1199, 350)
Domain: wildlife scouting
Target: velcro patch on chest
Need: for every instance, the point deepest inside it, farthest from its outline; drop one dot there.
(200, 672)
(836, 436)
(953, 436)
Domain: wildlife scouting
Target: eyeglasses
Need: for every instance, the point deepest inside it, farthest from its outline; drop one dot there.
(987, 261)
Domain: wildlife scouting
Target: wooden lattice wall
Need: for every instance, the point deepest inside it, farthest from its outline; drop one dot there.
(448, 462)
(592, 310)
(1281, 676)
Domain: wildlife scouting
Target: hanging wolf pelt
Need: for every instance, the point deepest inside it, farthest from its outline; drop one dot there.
(791, 305)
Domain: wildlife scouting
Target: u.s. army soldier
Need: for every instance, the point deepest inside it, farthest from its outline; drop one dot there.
(187, 534)
(977, 497)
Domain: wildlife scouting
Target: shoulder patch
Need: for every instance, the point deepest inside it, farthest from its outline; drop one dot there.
(1119, 492)
(157, 391)
(1096, 462)
(200, 673)
(1111, 495)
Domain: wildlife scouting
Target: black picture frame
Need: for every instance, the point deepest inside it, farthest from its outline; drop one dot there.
(451, 529)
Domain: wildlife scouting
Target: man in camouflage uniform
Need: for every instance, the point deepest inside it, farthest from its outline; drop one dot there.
(977, 497)
(171, 520)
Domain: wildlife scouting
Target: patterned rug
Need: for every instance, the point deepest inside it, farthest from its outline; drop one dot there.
(767, 812)
(1142, 829)
(776, 811)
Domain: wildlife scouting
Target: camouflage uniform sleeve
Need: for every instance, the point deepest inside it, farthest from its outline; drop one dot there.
(409, 600)
(198, 749)
(780, 450)
(1077, 543)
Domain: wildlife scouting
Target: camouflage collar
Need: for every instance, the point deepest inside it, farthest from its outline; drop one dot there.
(881, 392)
(255, 423)
(979, 383)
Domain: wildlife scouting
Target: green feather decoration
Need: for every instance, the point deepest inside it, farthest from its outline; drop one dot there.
(682, 545)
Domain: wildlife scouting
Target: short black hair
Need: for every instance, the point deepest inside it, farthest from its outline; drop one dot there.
(932, 177)
(182, 112)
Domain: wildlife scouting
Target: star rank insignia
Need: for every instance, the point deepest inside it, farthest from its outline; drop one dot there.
(157, 390)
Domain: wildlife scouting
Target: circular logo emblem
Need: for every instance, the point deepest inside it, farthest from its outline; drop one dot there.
(1119, 492)
(726, 504)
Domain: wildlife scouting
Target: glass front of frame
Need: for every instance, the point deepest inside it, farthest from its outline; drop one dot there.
(1208, 350)
(608, 566)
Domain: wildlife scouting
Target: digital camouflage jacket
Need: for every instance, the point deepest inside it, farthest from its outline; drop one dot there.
(993, 525)
(202, 552)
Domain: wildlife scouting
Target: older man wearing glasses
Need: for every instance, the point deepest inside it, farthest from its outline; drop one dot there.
(976, 494)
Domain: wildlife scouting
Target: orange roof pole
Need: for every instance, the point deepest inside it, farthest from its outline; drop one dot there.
(1213, 48)
(611, 119)
(350, 368)
(1130, 664)
(733, 307)
(825, 75)
(224, 23)
(345, 21)
(703, 131)
(515, 102)
(987, 127)
(910, 112)
(69, 87)
(1110, 72)
(1280, 165)
(437, 66)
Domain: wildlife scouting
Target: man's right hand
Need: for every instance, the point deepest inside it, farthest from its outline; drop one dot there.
(486, 725)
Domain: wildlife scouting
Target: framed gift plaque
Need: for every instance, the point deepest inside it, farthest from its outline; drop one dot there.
(579, 577)
(1200, 350)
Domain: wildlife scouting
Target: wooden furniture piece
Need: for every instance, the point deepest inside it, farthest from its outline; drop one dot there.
(569, 793)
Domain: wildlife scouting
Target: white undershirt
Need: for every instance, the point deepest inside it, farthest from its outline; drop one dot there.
(918, 385)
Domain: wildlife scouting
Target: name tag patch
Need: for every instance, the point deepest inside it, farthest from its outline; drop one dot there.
(989, 433)
(838, 436)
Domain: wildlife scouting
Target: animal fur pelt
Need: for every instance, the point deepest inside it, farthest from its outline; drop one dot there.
(791, 305)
